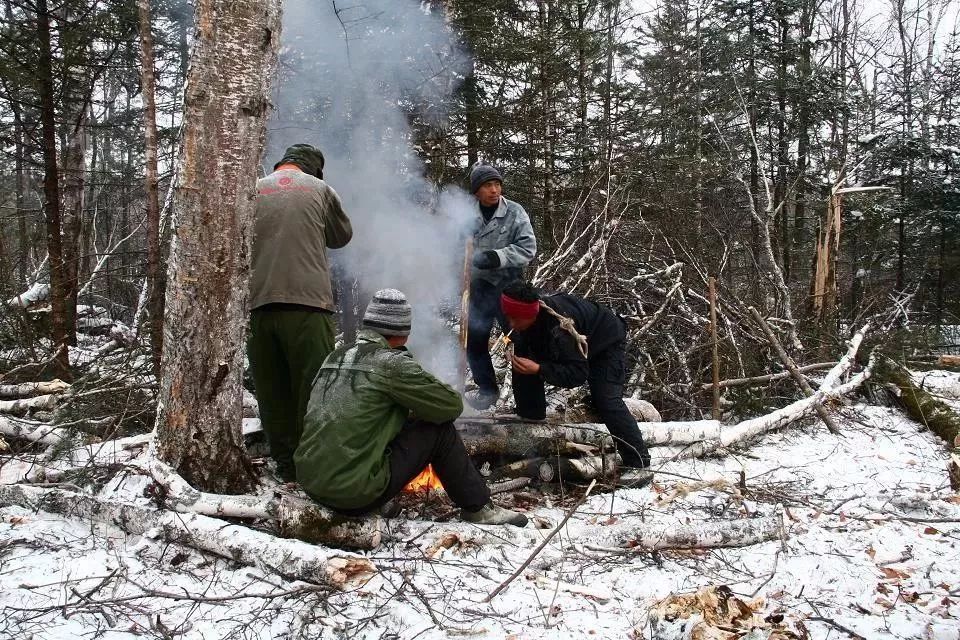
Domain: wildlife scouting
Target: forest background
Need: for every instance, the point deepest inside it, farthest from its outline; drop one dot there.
(732, 136)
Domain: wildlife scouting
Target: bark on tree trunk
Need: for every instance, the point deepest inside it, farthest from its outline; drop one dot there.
(74, 174)
(920, 405)
(60, 331)
(525, 439)
(226, 106)
(153, 276)
(470, 113)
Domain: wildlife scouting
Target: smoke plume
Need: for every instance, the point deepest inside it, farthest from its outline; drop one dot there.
(350, 73)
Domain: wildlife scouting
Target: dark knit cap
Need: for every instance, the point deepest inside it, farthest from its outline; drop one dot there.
(305, 156)
(389, 313)
(482, 173)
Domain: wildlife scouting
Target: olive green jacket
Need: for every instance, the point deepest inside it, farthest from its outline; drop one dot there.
(298, 218)
(361, 398)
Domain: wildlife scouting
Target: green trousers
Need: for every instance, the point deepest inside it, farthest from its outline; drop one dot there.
(286, 348)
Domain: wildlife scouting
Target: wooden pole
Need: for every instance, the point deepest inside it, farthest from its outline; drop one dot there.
(794, 372)
(465, 312)
(716, 356)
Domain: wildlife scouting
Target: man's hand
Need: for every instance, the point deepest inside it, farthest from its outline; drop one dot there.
(486, 260)
(525, 366)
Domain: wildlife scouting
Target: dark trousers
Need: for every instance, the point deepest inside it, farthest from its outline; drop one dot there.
(286, 348)
(420, 443)
(606, 379)
(484, 311)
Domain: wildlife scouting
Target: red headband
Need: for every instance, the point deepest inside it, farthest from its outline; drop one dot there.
(514, 308)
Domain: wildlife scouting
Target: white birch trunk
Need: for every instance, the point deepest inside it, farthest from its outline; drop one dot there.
(290, 558)
(37, 292)
(627, 534)
(226, 106)
(26, 389)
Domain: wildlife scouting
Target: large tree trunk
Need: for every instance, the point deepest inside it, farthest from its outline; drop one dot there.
(74, 178)
(803, 108)
(471, 106)
(154, 278)
(60, 331)
(24, 243)
(226, 104)
(545, 13)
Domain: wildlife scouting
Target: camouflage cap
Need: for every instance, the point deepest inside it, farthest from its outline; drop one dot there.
(305, 156)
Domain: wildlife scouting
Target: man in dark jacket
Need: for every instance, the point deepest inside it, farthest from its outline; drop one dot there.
(503, 245)
(298, 217)
(376, 419)
(566, 340)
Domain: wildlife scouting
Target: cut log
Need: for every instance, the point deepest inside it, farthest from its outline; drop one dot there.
(586, 468)
(27, 389)
(948, 361)
(495, 436)
(23, 406)
(311, 522)
(626, 535)
(31, 432)
(920, 405)
(290, 558)
(301, 519)
(184, 498)
(641, 410)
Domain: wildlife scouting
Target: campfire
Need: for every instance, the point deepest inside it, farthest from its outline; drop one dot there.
(425, 482)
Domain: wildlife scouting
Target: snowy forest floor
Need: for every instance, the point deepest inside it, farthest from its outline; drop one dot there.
(873, 552)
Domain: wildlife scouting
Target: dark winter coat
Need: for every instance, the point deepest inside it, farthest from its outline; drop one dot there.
(556, 351)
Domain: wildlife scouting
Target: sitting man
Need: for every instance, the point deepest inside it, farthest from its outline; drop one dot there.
(376, 419)
(566, 340)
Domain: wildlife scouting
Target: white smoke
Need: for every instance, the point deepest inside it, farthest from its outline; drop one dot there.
(349, 69)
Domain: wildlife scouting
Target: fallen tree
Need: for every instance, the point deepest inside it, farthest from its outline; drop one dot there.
(301, 519)
(920, 405)
(496, 436)
(27, 389)
(625, 535)
(291, 558)
(23, 406)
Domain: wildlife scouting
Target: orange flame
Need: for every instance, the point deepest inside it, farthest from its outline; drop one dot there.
(426, 481)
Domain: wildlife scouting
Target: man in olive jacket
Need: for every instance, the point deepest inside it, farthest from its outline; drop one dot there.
(376, 419)
(503, 244)
(298, 217)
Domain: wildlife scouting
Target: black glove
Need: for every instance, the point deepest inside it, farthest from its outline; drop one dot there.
(486, 260)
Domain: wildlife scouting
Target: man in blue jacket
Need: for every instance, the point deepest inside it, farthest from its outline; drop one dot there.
(503, 245)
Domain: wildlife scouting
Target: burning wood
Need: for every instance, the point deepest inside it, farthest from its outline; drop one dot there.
(425, 482)
(503, 342)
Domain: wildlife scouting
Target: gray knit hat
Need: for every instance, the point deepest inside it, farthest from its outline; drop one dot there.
(389, 313)
(482, 173)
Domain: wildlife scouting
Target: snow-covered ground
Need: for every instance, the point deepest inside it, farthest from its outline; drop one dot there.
(873, 552)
